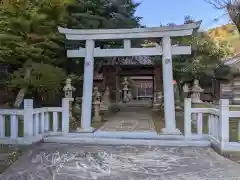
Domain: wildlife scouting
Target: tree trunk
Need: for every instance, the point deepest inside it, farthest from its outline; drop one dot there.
(20, 96)
(180, 90)
(233, 11)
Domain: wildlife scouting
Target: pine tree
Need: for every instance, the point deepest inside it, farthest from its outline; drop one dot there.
(102, 14)
(29, 41)
(28, 31)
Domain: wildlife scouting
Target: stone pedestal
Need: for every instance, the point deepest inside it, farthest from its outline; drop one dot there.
(129, 95)
(166, 131)
(158, 101)
(77, 107)
(96, 104)
(97, 117)
(177, 98)
(106, 101)
(68, 90)
(185, 91)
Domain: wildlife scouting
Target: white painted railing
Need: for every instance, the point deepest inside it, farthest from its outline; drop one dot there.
(31, 125)
(213, 122)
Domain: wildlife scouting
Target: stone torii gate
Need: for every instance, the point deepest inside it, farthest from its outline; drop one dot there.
(166, 50)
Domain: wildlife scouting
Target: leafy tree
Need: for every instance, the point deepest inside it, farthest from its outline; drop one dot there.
(231, 6)
(45, 82)
(206, 58)
(227, 33)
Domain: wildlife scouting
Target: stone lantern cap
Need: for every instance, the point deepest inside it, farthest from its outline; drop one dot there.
(125, 81)
(68, 85)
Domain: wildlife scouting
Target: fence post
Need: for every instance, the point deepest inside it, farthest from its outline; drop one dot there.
(238, 130)
(65, 115)
(187, 118)
(28, 117)
(224, 122)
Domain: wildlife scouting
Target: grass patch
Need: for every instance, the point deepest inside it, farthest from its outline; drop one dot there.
(202, 105)
(234, 108)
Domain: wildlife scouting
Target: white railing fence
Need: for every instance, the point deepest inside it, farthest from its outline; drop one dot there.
(30, 124)
(215, 123)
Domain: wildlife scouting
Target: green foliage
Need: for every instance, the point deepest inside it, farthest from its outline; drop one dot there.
(45, 80)
(228, 34)
(28, 31)
(102, 14)
(4, 77)
(207, 55)
(99, 14)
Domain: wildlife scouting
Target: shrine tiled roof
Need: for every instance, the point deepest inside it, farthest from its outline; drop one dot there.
(234, 63)
(96, 76)
(135, 60)
(233, 60)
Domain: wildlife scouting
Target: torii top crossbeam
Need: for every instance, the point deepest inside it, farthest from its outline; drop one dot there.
(98, 34)
(127, 35)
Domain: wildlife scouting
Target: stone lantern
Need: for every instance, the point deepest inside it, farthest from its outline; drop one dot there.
(95, 91)
(195, 92)
(125, 89)
(68, 89)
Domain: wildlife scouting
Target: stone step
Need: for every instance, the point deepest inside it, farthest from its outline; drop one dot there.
(135, 105)
(143, 107)
(128, 141)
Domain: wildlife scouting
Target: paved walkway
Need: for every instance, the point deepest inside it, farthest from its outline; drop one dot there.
(83, 162)
(130, 119)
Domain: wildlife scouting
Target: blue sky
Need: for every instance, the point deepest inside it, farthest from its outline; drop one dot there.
(156, 12)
